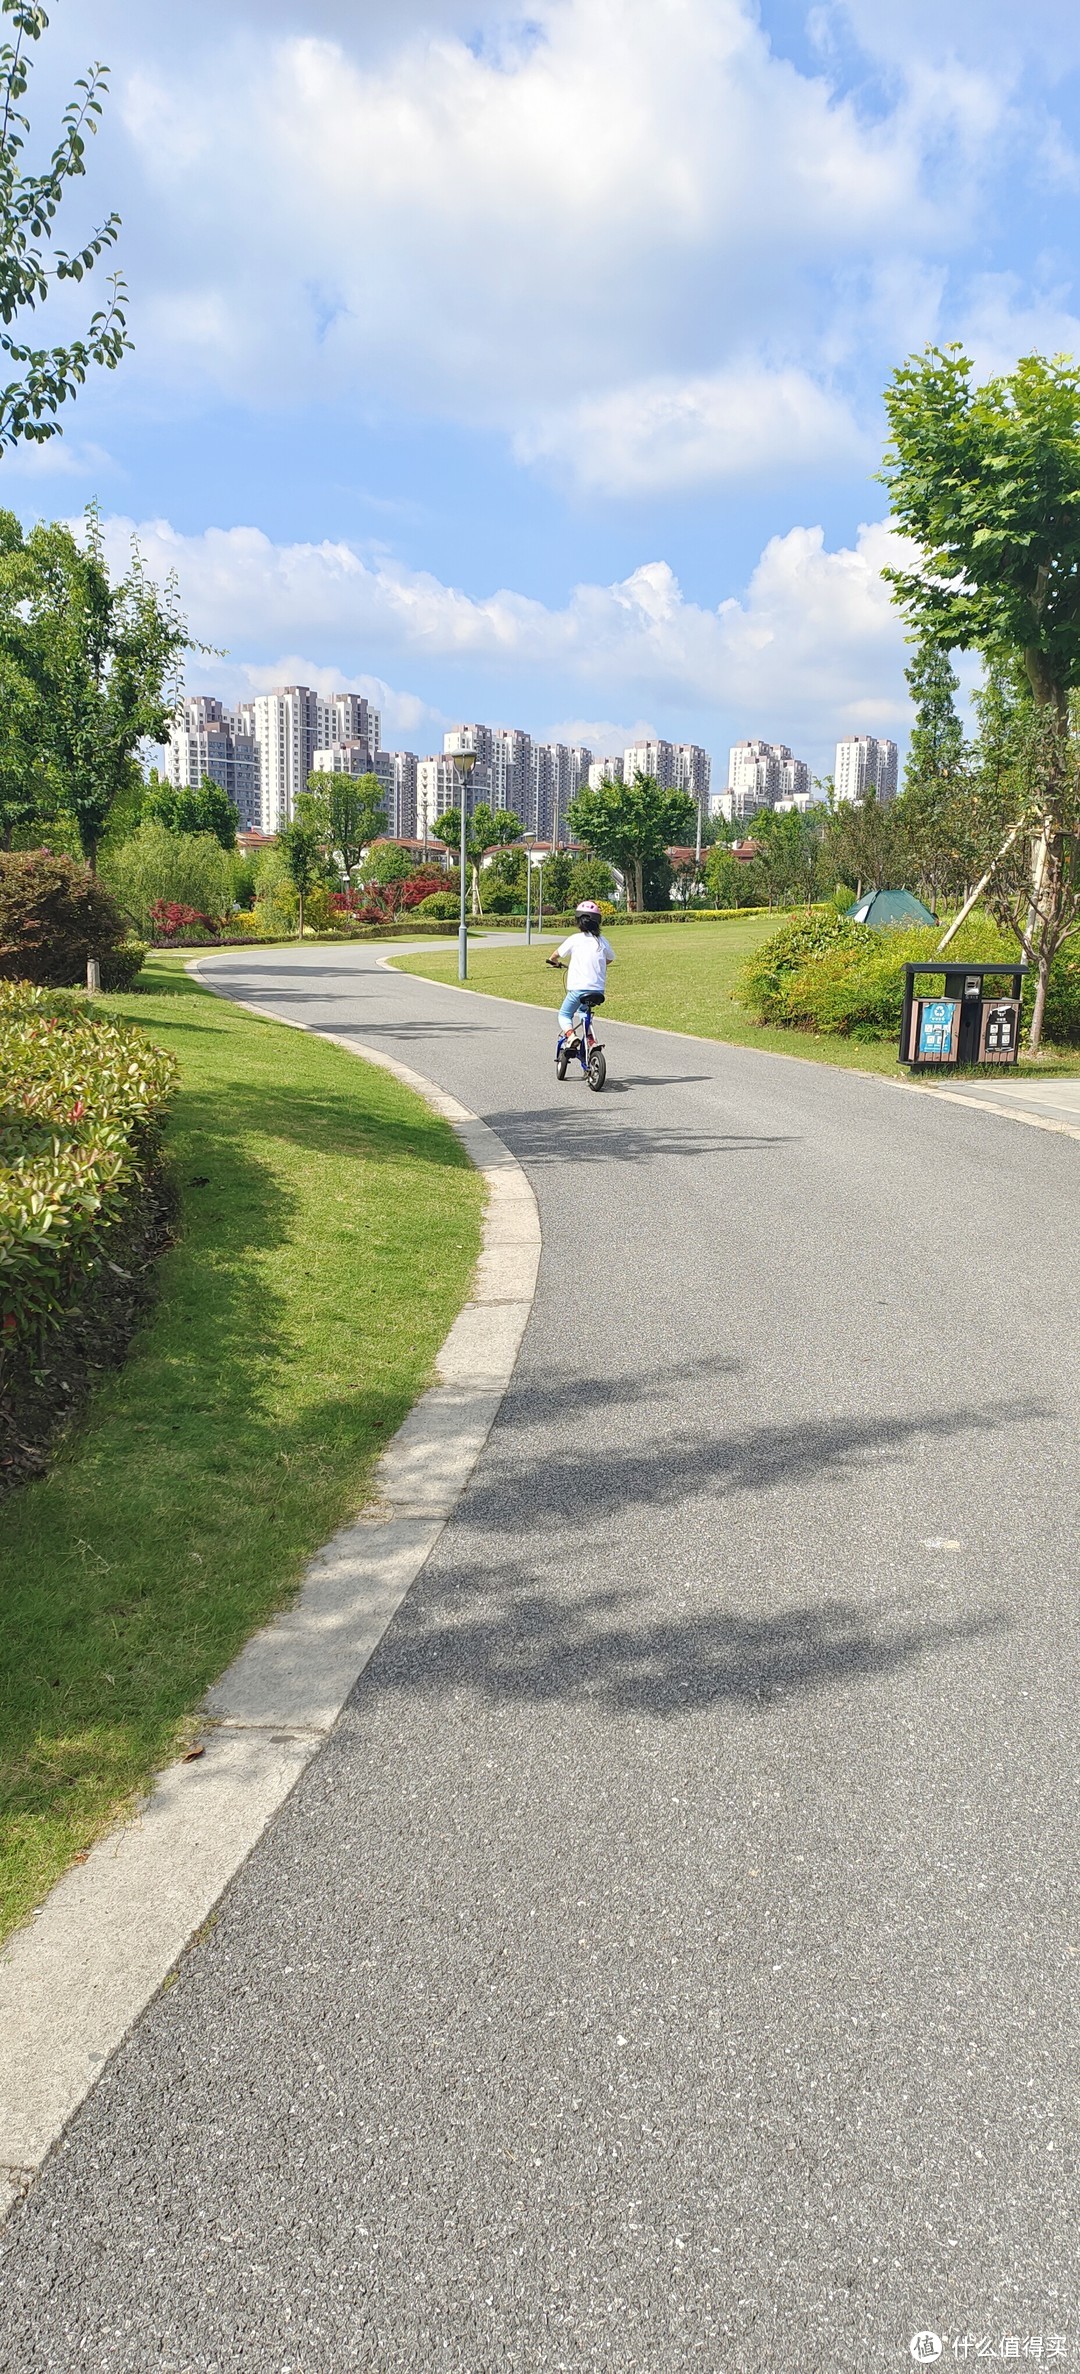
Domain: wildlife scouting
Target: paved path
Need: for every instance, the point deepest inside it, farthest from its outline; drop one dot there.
(1056, 1102)
(668, 1963)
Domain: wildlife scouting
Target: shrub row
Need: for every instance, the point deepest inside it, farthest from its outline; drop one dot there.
(82, 1108)
(822, 973)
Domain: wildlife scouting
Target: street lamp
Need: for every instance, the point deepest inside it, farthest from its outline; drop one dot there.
(464, 761)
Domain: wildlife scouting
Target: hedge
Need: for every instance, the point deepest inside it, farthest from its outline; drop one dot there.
(82, 1109)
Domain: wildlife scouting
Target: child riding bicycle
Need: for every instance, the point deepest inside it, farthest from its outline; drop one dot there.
(586, 956)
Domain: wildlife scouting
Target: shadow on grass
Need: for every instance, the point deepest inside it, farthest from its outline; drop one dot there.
(323, 1121)
(189, 1499)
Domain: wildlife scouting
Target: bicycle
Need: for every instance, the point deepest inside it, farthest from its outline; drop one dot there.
(584, 1044)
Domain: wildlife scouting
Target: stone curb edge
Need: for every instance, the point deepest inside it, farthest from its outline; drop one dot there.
(74, 1981)
(952, 1096)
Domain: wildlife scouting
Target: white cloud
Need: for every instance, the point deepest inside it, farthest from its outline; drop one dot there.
(663, 436)
(812, 647)
(645, 206)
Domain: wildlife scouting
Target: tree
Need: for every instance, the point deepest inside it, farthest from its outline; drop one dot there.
(45, 377)
(632, 825)
(300, 847)
(156, 867)
(590, 878)
(864, 843)
(101, 660)
(205, 809)
(789, 854)
(388, 862)
(986, 481)
(486, 829)
(346, 812)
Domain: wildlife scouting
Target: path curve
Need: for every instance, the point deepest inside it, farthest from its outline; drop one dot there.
(667, 1963)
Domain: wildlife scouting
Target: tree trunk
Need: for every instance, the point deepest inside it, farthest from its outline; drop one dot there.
(1039, 1008)
(300, 928)
(639, 886)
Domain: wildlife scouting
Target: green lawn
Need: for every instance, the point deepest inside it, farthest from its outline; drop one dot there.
(330, 1224)
(679, 976)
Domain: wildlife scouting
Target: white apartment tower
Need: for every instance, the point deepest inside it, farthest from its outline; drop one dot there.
(289, 725)
(693, 772)
(438, 787)
(760, 774)
(865, 763)
(511, 771)
(651, 758)
(605, 770)
(206, 740)
(397, 771)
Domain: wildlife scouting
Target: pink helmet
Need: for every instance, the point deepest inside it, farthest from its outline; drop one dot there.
(587, 906)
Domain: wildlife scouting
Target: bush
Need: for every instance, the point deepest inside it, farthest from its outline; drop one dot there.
(53, 917)
(764, 980)
(822, 973)
(82, 1112)
(120, 966)
(442, 906)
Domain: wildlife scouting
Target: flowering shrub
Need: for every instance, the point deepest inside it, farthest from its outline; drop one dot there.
(168, 917)
(82, 1108)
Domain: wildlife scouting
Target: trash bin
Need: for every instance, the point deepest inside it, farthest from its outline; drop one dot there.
(963, 1022)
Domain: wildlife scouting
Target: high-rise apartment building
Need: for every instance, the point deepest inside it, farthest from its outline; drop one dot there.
(651, 758)
(206, 740)
(558, 771)
(438, 787)
(693, 771)
(477, 738)
(289, 725)
(605, 770)
(343, 758)
(865, 763)
(352, 719)
(397, 772)
(760, 775)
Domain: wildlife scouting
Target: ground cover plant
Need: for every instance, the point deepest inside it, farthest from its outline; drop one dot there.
(679, 977)
(328, 1229)
(83, 1209)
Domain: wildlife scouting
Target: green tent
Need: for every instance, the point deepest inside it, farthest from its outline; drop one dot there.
(882, 909)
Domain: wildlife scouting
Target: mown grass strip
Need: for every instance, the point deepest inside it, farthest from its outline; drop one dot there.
(330, 1224)
(682, 977)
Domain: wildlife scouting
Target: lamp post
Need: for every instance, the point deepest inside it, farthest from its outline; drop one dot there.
(464, 761)
(528, 894)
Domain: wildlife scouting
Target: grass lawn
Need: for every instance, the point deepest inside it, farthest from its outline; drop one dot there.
(680, 976)
(330, 1224)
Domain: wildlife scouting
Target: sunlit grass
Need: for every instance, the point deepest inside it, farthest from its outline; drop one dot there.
(330, 1225)
(681, 976)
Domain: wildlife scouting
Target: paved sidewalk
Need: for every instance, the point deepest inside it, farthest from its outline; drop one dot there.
(670, 1961)
(1054, 1101)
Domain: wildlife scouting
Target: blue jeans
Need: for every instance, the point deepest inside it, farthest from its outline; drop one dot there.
(574, 999)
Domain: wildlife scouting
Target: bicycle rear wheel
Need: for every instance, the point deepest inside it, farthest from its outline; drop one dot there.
(596, 1074)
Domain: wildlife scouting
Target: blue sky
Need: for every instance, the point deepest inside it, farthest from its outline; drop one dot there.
(528, 365)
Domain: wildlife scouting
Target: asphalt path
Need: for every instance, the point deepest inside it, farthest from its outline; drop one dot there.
(668, 1962)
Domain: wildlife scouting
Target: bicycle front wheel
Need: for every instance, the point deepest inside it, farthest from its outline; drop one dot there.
(561, 1061)
(596, 1073)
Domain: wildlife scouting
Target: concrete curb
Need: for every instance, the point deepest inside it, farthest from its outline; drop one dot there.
(77, 1977)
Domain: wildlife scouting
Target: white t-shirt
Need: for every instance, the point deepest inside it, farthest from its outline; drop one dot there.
(588, 959)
